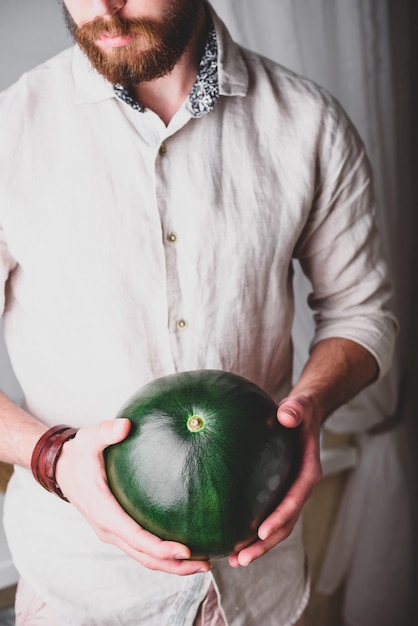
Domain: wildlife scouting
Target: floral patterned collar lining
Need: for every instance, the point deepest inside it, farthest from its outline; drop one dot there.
(205, 91)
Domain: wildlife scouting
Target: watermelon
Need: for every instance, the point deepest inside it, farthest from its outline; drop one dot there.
(205, 461)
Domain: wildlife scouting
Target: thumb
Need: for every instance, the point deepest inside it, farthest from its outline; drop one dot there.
(113, 431)
(293, 409)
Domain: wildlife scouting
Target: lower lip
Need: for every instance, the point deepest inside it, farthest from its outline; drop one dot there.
(116, 42)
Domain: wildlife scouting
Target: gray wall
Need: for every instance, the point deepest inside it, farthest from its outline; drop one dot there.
(31, 31)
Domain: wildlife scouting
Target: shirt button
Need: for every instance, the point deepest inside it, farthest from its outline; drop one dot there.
(172, 237)
(163, 149)
(181, 324)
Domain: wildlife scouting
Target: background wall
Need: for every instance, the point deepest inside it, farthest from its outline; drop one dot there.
(30, 32)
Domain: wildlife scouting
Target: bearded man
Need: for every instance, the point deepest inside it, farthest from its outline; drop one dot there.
(157, 182)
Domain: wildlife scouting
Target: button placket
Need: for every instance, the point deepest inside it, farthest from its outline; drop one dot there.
(181, 324)
(177, 323)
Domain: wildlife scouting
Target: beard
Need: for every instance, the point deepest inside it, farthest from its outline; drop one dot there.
(155, 50)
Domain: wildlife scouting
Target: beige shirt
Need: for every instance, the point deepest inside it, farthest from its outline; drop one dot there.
(125, 262)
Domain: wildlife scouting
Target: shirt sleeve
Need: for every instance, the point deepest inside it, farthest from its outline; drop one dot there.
(7, 265)
(339, 248)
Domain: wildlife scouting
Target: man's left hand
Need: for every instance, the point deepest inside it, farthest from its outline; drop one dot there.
(295, 410)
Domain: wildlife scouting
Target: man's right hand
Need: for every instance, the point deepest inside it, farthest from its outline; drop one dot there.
(81, 475)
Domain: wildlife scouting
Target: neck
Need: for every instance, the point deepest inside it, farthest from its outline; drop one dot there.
(165, 95)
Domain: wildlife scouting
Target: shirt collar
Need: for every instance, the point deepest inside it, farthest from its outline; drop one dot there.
(205, 91)
(222, 71)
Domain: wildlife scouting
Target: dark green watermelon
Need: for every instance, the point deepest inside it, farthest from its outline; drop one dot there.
(205, 462)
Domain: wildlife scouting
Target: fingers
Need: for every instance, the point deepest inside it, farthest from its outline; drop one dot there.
(177, 567)
(167, 557)
(310, 473)
(282, 520)
(295, 410)
(152, 552)
(113, 525)
(278, 526)
(259, 548)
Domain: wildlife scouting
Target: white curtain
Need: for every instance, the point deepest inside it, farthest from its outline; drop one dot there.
(362, 51)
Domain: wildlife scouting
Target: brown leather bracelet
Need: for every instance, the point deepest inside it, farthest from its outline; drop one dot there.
(46, 454)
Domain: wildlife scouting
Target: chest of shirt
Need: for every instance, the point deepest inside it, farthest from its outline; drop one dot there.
(107, 180)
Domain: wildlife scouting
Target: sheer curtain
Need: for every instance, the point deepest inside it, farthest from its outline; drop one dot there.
(363, 52)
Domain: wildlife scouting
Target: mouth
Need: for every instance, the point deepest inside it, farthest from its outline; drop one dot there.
(115, 41)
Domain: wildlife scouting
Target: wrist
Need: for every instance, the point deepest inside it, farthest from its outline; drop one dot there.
(46, 454)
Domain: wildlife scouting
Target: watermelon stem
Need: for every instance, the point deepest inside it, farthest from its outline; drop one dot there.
(195, 423)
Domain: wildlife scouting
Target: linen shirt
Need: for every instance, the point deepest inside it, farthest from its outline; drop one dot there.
(131, 250)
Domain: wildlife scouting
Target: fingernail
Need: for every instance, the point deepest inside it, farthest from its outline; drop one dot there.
(181, 556)
(290, 412)
(264, 534)
(118, 428)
